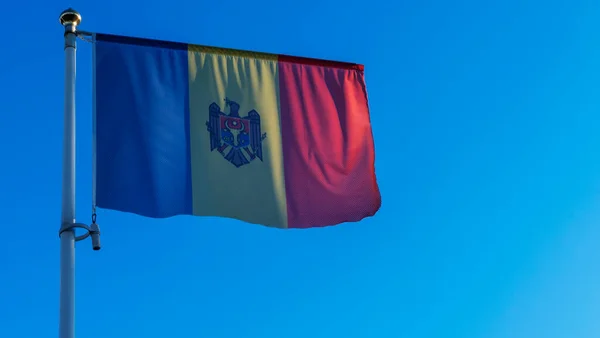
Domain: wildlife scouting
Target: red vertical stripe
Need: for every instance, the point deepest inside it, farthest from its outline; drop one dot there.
(327, 144)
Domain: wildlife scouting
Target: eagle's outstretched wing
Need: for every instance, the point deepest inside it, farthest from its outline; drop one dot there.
(255, 133)
(214, 125)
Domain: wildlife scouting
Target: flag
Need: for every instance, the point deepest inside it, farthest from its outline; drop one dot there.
(268, 139)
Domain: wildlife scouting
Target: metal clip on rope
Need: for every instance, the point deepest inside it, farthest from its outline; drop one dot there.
(91, 231)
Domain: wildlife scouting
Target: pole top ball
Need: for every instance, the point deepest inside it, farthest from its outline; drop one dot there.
(70, 17)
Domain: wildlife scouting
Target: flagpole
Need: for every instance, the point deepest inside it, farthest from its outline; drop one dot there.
(69, 19)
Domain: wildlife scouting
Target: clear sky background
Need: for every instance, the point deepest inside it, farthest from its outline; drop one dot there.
(486, 123)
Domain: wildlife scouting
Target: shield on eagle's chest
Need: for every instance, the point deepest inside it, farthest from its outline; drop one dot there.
(235, 131)
(238, 139)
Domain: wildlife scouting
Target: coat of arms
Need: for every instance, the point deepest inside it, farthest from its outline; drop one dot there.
(237, 138)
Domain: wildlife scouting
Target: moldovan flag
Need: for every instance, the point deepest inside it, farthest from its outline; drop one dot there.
(267, 139)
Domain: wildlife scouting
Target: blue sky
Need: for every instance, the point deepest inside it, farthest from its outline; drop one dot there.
(485, 116)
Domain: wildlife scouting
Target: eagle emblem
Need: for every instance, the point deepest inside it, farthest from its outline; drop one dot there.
(238, 139)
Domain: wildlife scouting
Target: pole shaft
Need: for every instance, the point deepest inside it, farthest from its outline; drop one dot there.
(67, 238)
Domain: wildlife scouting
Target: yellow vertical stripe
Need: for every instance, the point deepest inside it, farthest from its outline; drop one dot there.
(254, 192)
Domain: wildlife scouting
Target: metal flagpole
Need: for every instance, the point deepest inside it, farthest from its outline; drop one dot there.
(70, 19)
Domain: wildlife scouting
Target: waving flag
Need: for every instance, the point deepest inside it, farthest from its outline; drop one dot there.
(268, 139)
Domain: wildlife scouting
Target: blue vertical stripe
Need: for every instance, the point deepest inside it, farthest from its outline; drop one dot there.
(142, 127)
